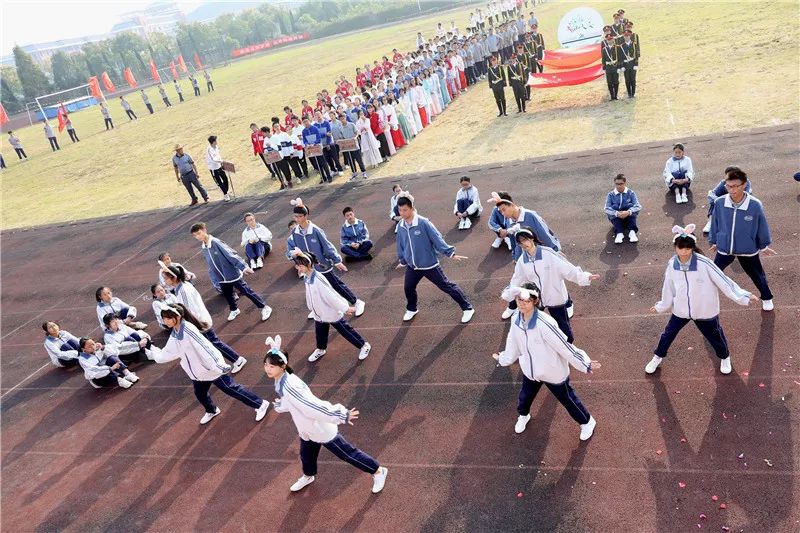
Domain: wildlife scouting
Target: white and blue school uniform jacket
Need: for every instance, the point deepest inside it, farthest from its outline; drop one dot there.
(94, 365)
(170, 299)
(116, 306)
(692, 290)
(420, 243)
(189, 297)
(720, 191)
(497, 221)
(542, 349)
(393, 207)
(122, 340)
(199, 358)
(621, 201)
(259, 233)
(741, 230)
(678, 168)
(64, 347)
(548, 270)
(224, 265)
(470, 194)
(315, 241)
(326, 304)
(530, 218)
(189, 274)
(315, 419)
(354, 233)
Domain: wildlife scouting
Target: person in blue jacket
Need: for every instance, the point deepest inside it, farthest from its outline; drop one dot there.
(718, 191)
(518, 216)
(355, 237)
(622, 207)
(311, 137)
(419, 244)
(227, 269)
(739, 230)
(499, 225)
(329, 148)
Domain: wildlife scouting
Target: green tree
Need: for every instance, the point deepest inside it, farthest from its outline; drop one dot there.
(129, 47)
(69, 70)
(31, 77)
(162, 48)
(8, 98)
(306, 21)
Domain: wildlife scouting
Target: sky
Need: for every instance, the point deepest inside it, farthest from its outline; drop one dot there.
(33, 21)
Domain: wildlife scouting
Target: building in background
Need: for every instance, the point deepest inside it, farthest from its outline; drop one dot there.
(162, 16)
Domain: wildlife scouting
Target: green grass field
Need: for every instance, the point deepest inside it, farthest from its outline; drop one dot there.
(705, 67)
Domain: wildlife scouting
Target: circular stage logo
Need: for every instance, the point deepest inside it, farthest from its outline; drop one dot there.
(579, 27)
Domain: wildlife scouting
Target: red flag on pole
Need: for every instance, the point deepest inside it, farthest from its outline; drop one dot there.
(182, 63)
(172, 68)
(3, 115)
(128, 75)
(197, 62)
(62, 117)
(154, 72)
(94, 86)
(107, 83)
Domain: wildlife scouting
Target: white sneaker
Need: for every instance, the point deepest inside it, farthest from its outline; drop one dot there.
(130, 376)
(261, 412)
(379, 479)
(508, 243)
(364, 351)
(152, 352)
(618, 238)
(522, 422)
(725, 365)
(507, 313)
(466, 316)
(497, 242)
(266, 312)
(238, 364)
(467, 223)
(227, 198)
(707, 227)
(124, 383)
(208, 416)
(409, 315)
(311, 315)
(259, 263)
(684, 199)
(233, 314)
(360, 305)
(632, 236)
(653, 364)
(316, 355)
(253, 264)
(588, 428)
(570, 310)
(767, 305)
(678, 199)
(340, 173)
(302, 483)
(460, 223)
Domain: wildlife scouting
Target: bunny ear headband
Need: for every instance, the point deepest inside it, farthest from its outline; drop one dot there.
(297, 202)
(406, 194)
(275, 348)
(525, 294)
(297, 252)
(496, 200)
(684, 232)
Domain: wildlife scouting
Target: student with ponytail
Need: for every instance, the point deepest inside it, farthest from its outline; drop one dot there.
(130, 345)
(316, 421)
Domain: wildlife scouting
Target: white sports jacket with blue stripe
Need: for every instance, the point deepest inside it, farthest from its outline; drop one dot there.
(199, 358)
(316, 419)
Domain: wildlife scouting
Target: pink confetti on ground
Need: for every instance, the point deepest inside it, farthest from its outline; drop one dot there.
(745, 373)
(723, 506)
(761, 385)
(714, 498)
(681, 484)
(683, 440)
(797, 382)
(690, 348)
(520, 495)
(659, 452)
(664, 420)
(702, 516)
(724, 416)
(725, 528)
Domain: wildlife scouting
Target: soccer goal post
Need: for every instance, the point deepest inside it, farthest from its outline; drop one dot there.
(74, 99)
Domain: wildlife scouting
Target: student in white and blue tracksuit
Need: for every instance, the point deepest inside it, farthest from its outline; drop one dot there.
(393, 214)
(227, 269)
(354, 236)
(622, 208)
(544, 356)
(419, 244)
(328, 308)
(185, 294)
(108, 303)
(316, 421)
(499, 225)
(678, 173)
(102, 367)
(129, 345)
(468, 203)
(160, 295)
(692, 284)
(165, 260)
(548, 270)
(719, 191)
(519, 216)
(308, 237)
(739, 230)
(62, 346)
(256, 241)
(203, 363)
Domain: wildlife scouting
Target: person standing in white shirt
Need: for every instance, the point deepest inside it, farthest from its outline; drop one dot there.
(214, 162)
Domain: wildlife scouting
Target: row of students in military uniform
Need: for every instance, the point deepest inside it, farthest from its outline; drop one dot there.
(620, 55)
(525, 59)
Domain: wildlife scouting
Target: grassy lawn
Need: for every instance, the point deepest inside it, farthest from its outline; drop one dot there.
(700, 73)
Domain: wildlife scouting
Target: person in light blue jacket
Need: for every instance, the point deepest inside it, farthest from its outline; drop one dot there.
(355, 237)
(518, 216)
(419, 244)
(499, 225)
(718, 191)
(739, 230)
(622, 207)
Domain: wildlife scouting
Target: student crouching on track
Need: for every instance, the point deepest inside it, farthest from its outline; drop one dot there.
(692, 284)
(203, 363)
(62, 346)
(499, 225)
(622, 208)
(101, 366)
(316, 421)
(256, 241)
(129, 345)
(108, 303)
(544, 357)
(678, 173)
(354, 237)
(549, 270)
(468, 203)
(327, 307)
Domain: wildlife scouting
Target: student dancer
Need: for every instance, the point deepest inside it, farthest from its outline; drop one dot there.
(101, 367)
(165, 261)
(316, 421)
(308, 237)
(161, 296)
(256, 241)
(468, 203)
(678, 173)
(189, 297)
(418, 244)
(108, 303)
(544, 357)
(61, 346)
(519, 216)
(549, 270)
(203, 363)
(327, 307)
(719, 191)
(622, 207)
(692, 284)
(499, 225)
(227, 268)
(129, 345)
(354, 237)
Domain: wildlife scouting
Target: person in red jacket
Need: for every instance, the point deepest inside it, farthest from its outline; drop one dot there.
(377, 72)
(257, 138)
(287, 120)
(361, 79)
(397, 56)
(307, 110)
(376, 126)
(386, 65)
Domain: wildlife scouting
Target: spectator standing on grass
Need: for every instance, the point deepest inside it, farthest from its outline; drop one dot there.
(186, 173)
(51, 136)
(178, 89)
(16, 144)
(109, 123)
(146, 100)
(257, 140)
(127, 107)
(214, 163)
(209, 83)
(342, 129)
(163, 92)
(622, 207)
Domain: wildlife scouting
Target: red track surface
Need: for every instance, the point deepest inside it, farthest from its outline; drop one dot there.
(435, 410)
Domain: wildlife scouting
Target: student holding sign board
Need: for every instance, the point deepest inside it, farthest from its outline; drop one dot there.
(346, 136)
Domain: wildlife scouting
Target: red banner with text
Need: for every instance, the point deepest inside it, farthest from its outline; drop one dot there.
(270, 43)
